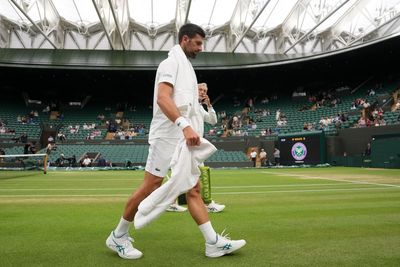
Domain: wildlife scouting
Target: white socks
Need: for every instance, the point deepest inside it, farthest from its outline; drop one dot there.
(208, 232)
(122, 228)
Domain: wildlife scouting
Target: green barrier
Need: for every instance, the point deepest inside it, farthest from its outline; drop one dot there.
(205, 184)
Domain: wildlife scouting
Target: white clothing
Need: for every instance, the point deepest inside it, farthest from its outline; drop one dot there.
(253, 154)
(160, 154)
(87, 161)
(184, 176)
(177, 71)
(197, 121)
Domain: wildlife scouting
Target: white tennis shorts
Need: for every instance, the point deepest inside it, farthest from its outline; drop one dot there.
(160, 156)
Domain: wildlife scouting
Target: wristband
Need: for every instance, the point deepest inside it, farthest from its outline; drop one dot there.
(181, 122)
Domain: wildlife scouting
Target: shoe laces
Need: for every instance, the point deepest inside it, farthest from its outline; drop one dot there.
(128, 241)
(226, 236)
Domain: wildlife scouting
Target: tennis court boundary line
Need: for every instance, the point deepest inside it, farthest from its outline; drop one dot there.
(218, 193)
(329, 179)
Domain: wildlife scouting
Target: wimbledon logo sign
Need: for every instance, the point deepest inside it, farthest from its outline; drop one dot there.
(299, 151)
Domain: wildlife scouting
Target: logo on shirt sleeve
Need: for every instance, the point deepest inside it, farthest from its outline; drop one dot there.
(167, 75)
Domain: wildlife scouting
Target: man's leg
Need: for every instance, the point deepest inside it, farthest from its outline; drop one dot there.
(196, 205)
(149, 184)
(119, 240)
(216, 245)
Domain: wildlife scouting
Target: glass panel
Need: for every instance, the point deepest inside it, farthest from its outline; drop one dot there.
(211, 12)
(152, 12)
(9, 11)
(84, 12)
(274, 14)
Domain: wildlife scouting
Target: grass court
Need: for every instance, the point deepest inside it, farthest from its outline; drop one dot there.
(289, 217)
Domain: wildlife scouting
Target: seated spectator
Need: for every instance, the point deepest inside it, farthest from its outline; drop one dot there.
(24, 138)
(72, 161)
(265, 100)
(60, 161)
(61, 136)
(32, 148)
(101, 162)
(46, 109)
(371, 92)
(362, 122)
(86, 162)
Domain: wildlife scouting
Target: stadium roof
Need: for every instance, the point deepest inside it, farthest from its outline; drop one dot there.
(242, 26)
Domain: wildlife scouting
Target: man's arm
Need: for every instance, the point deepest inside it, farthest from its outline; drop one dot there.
(169, 108)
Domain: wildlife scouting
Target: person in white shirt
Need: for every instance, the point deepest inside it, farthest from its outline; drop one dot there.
(210, 117)
(263, 157)
(253, 156)
(86, 161)
(175, 113)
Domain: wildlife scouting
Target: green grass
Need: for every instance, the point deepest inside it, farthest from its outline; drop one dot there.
(289, 217)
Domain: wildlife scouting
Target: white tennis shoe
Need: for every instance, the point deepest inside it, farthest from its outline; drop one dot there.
(176, 208)
(214, 207)
(223, 246)
(123, 246)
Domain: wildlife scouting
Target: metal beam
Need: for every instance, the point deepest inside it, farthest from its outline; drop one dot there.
(217, 42)
(74, 40)
(117, 23)
(187, 12)
(33, 23)
(99, 40)
(267, 44)
(316, 26)
(19, 38)
(140, 40)
(165, 41)
(102, 23)
(376, 29)
(251, 25)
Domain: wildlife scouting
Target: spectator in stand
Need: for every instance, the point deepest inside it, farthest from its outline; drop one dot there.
(60, 161)
(24, 138)
(46, 110)
(72, 161)
(101, 162)
(362, 122)
(61, 136)
(371, 92)
(32, 148)
(86, 162)
(278, 115)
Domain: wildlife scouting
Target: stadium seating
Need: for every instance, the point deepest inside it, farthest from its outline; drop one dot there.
(121, 154)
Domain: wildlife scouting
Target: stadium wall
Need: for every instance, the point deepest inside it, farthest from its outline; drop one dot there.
(353, 141)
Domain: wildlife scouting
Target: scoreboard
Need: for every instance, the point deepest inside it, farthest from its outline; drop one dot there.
(308, 148)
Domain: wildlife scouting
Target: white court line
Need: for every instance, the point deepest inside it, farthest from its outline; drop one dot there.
(273, 186)
(330, 179)
(219, 193)
(129, 189)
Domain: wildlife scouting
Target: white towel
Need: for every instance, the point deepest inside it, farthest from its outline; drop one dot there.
(184, 176)
(185, 93)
